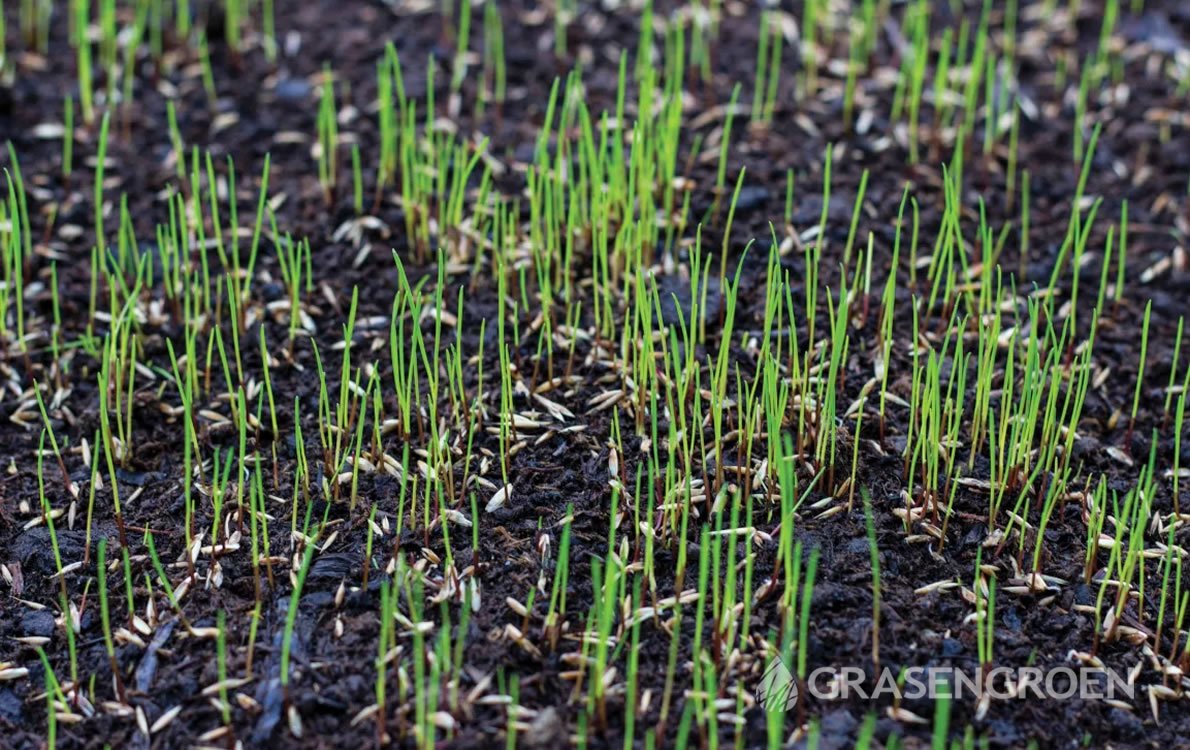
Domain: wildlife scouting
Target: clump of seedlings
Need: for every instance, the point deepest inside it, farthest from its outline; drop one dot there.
(545, 426)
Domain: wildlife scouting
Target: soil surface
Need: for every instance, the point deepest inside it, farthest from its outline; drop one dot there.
(271, 107)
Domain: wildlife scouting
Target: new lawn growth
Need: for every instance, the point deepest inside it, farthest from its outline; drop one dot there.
(718, 390)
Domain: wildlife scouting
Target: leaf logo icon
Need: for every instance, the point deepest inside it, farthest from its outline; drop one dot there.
(777, 690)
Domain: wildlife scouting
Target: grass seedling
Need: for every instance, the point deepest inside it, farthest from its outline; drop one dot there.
(1173, 371)
(494, 76)
(768, 69)
(328, 136)
(874, 555)
(49, 429)
(291, 617)
(1140, 373)
(221, 665)
(208, 75)
(462, 39)
(109, 644)
(68, 138)
(82, 48)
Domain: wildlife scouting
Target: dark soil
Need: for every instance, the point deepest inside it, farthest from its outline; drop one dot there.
(1143, 157)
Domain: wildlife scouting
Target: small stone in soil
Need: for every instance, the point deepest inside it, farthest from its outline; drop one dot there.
(1012, 619)
(809, 210)
(1085, 446)
(35, 552)
(135, 478)
(676, 300)
(836, 730)
(334, 566)
(974, 536)
(39, 623)
(1083, 595)
(311, 701)
(1126, 724)
(1154, 28)
(147, 669)
(859, 547)
(12, 710)
(1005, 732)
(318, 599)
(272, 699)
(292, 89)
(752, 197)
